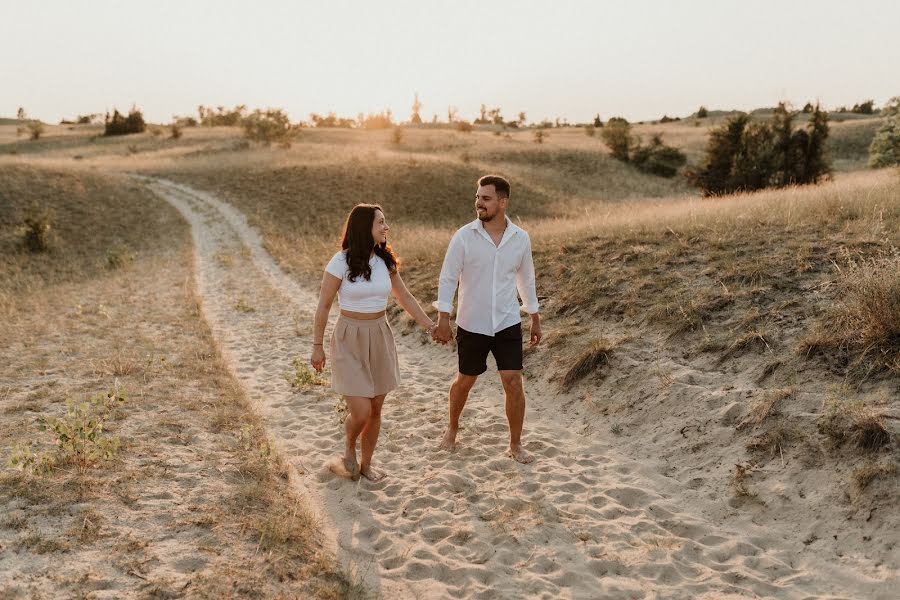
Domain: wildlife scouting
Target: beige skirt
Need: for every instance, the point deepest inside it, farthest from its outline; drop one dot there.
(363, 357)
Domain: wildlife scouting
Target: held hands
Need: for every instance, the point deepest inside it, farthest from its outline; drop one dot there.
(442, 334)
(317, 359)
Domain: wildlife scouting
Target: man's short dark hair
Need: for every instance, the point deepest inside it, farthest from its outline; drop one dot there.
(500, 184)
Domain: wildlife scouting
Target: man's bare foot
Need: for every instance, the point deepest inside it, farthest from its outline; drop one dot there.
(339, 466)
(449, 441)
(519, 454)
(372, 474)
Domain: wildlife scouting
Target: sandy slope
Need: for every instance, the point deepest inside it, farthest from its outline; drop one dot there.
(583, 521)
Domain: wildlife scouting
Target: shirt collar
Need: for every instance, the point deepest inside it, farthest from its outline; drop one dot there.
(511, 230)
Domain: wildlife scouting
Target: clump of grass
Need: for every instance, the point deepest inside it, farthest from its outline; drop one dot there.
(739, 480)
(763, 408)
(78, 435)
(396, 135)
(589, 361)
(772, 441)
(751, 339)
(119, 255)
(36, 232)
(864, 326)
(851, 421)
(303, 376)
(863, 476)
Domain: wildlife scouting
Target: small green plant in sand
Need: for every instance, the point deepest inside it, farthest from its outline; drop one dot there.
(303, 376)
(78, 435)
(252, 440)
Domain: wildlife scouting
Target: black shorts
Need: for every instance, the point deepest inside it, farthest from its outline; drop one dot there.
(473, 348)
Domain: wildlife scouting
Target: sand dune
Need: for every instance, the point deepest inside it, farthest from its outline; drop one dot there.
(583, 521)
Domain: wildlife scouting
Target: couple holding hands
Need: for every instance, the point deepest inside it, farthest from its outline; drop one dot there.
(489, 260)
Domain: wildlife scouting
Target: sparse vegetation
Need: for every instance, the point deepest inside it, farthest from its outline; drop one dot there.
(618, 138)
(657, 158)
(596, 356)
(78, 436)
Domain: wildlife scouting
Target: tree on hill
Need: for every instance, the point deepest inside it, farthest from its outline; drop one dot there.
(597, 122)
(415, 118)
(20, 114)
(702, 112)
(864, 108)
(885, 148)
(122, 125)
(745, 155)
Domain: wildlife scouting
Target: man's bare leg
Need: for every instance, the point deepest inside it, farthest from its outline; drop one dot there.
(459, 393)
(515, 414)
(360, 408)
(369, 440)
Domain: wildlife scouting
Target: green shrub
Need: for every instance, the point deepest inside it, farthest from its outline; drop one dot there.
(885, 148)
(175, 131)
(864, 108)
(220, 116)
(745, 156)
(658, 158)
(617, 137)
(269, 126)
(702, 113)
(120, 125)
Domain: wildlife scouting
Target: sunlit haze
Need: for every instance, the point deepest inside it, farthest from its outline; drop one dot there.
(551, 60)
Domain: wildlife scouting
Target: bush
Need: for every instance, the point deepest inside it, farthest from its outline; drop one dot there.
(745, 156)
(464, 126)
(36, 234)
(35, 129)
(658, 159)
(220, 117)
(864, 108)
(383, 120)
(396, 135)
(590, 130)
(885, 148)
(539, 135)
(119, 125)
(702, 113)
(176, 131)
(269, 126)
(617, 137)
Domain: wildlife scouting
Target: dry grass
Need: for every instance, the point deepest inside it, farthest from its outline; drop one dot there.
(849, 420)
(865, 475)
(589, 361)
(182, 452)
(761, 409)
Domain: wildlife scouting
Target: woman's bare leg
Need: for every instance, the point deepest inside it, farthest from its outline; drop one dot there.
(370, 440)
(360, 409)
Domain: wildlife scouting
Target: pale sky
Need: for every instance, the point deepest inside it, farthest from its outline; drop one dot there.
(562, 58)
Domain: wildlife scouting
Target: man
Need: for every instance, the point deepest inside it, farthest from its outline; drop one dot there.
(489, 258)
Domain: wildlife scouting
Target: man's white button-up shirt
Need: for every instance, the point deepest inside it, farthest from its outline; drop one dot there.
(488, 276)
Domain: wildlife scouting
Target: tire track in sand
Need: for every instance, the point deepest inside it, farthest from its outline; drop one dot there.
(581, 522)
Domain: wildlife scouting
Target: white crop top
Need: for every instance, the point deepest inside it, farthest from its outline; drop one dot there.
(361, 295)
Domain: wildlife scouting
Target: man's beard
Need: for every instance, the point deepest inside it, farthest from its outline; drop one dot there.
(485, 217)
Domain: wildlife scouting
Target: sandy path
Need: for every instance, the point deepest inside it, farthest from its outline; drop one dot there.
(583, 521)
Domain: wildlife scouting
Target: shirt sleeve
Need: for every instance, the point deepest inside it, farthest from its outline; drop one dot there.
(525, 280)
(450, 272)
(337, 266)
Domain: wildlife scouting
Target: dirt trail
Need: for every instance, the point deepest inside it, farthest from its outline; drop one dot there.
(583, 521)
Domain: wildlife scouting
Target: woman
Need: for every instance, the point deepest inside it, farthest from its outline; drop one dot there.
(363, 355)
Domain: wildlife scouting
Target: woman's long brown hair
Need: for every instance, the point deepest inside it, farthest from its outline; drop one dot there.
(358, 242)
